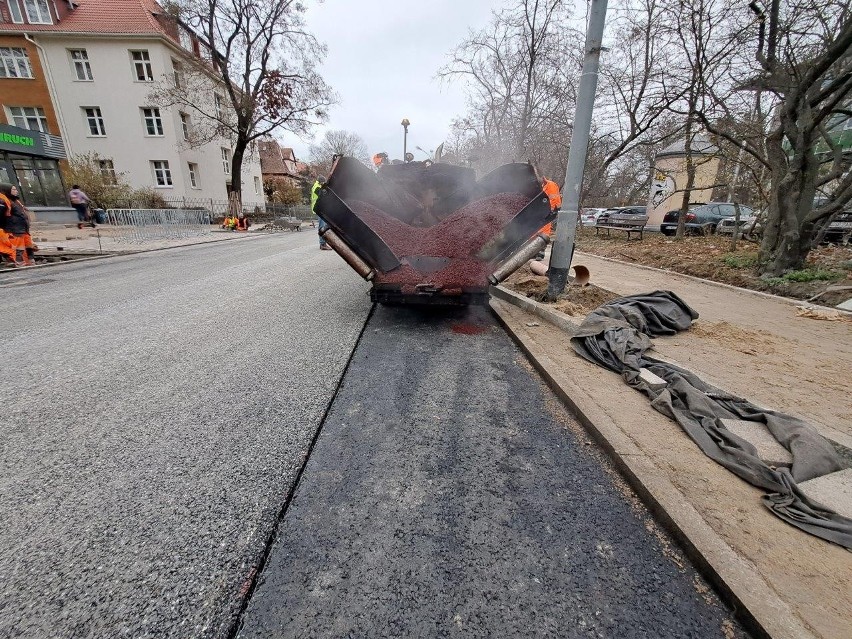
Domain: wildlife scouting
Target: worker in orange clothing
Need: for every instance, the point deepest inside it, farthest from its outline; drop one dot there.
(551, 190)
(17, 225)
(242, 223)
(7, 249)
(380, 159)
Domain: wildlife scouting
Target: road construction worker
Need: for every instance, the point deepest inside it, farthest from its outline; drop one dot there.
(322, 226)
(380, 159)
(7, 249)
(17, 225)
(242, 223)
(551, 189)
(230, 222)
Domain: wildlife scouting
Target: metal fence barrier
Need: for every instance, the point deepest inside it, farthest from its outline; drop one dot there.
(145, 225)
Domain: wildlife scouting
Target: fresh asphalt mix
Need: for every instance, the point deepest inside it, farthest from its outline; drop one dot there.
(165, 406)
(449, 494)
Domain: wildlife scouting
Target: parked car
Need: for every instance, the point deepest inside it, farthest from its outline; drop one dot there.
(839, 230)
(588, 217)
(622, 210)
(747, 219)
(702, 218)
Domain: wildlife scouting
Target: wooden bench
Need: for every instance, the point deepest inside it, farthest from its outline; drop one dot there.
(621, 222)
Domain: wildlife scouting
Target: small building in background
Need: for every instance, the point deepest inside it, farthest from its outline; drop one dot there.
(669, 178)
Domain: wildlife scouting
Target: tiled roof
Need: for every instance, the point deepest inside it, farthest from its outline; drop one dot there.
(271, 161)
(114, 17)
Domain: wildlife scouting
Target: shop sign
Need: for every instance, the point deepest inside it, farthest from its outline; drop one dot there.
(19, 140)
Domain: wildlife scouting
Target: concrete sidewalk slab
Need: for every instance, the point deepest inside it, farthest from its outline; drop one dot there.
(789, 584)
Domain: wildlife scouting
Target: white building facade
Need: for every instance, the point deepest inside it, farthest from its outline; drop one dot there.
(102, 94)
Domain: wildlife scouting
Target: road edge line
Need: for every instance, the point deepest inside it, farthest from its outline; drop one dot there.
(233, 629)
(738, 583)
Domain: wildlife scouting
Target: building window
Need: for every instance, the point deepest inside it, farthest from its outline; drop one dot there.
(15, 11)
(162, 173)
(38, 181)
(38, 12)
(185, 39)
(15, 63)
(185, 125)
(142, 66)
(226, 160)
(256, 185)
(80, 62)
(108, 171)
(220, 111)
(178, 74)
(193, 175)
(153, 121)
(95, 120)
(29, 118)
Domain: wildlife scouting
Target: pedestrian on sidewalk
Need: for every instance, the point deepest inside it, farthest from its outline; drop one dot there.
(322, 225)
(16, 223)
(80, 201)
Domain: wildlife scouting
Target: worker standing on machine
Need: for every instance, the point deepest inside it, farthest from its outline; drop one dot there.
(551, 190)
(321, 226)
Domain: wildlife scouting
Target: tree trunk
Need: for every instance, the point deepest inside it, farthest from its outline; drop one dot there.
(690, 181)
(788, 236)
(236, 198)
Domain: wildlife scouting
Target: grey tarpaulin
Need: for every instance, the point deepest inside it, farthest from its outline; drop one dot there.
(617, 336)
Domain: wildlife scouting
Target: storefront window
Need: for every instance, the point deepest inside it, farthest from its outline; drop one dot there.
(31, 191)
(51, 182)
(39, 181)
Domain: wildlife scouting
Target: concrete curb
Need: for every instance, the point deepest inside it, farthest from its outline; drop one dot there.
(734, 577)
(83, 260)
(777, 298)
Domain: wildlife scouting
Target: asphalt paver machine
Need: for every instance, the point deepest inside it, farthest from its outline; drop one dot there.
(426, 233)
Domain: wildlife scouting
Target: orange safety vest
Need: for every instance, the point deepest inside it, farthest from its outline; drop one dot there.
(242, 223)
(551, 189)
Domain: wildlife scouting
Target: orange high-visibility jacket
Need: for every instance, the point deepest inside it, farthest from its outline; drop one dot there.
(552, 191)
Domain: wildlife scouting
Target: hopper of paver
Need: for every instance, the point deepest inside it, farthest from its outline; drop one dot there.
(431, 233)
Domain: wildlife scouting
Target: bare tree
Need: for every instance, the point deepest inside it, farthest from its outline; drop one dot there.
(337, 142)
(634, 94)
(800, 64)
(521, 71)
(255, 73)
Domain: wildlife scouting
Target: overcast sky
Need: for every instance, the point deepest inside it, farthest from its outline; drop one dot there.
(382, 59)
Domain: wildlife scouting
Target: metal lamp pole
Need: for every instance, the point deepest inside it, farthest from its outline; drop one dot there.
(405, 124)
(566, 224)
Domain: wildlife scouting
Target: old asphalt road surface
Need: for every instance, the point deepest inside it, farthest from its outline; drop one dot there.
(154, 413)
(449, 494)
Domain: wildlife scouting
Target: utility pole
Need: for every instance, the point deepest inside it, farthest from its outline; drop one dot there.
(566, 224)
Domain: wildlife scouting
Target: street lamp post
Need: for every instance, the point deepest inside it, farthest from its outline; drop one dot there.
(405, 124)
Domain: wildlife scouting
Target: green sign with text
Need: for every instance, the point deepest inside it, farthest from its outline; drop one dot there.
(24, 141)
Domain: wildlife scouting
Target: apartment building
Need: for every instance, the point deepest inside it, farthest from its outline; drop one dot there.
(29, 145)
(102, 60)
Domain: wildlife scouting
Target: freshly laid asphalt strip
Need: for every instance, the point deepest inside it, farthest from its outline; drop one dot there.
(447, 495)
(154, 413)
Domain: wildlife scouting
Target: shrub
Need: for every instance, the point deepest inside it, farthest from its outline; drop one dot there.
(106, 190)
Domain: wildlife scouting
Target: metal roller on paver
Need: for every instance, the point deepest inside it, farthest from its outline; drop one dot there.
(431, 233)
